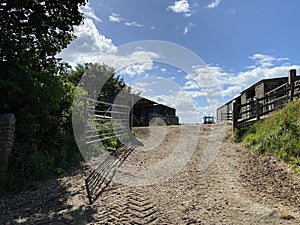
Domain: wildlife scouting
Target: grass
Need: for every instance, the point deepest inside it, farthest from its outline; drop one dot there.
(277, 135)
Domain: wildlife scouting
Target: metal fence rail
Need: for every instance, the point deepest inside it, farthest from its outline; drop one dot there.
(103, 120)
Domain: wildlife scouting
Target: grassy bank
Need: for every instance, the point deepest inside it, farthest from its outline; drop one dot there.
(277, 135)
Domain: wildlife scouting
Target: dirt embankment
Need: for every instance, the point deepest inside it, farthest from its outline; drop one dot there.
(194, 175)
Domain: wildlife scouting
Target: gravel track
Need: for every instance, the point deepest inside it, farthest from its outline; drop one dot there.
(220, 182)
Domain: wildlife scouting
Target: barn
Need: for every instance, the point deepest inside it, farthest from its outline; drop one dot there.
(260, 89)
(147, 112)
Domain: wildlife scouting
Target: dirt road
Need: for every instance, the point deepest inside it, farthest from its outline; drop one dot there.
(182, 175)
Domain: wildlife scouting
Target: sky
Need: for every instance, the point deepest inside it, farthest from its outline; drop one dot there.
(202, 53)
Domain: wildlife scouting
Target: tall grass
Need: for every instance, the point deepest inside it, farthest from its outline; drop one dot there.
(277, 135)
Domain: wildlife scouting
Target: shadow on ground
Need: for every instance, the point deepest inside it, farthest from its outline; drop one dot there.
(49, 204)
(99, 179)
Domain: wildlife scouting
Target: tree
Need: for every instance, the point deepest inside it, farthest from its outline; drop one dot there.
(34, 31)
(97, 72)
(31, 85)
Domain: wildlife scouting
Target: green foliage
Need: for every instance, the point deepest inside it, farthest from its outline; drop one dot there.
(239, 133)
(40, 90)
(34, 31)
(112, 144)
(278, 135)
(96, 73)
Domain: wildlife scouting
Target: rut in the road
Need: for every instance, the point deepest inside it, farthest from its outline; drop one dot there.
(133, 208)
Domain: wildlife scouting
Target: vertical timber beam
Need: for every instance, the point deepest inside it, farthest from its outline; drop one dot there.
(257, 110)
(235, 115)
(291, 81)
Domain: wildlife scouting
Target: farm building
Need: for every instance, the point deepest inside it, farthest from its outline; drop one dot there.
(146, 111)
(225, 111)
(261, 89)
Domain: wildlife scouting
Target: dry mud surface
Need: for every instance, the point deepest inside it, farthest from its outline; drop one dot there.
(182, 175)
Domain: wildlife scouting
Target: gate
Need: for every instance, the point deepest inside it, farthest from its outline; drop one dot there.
(104, 121)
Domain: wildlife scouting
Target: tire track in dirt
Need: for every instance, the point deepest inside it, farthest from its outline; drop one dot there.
(220, 184)
(215, 193)
(126, 205)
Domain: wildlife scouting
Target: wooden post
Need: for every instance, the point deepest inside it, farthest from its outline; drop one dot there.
(291, 81)
(257, 109)
(235, 115)
(131, 113)
(292, 92)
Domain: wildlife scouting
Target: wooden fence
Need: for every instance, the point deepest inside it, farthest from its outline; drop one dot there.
(226, 116)
(277, 98)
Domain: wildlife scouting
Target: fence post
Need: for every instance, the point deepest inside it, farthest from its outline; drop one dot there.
(291, 81)
(292, 92)
(257, 109)
(235, 115)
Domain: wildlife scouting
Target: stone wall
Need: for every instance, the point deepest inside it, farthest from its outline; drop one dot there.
(260, 90)
(243, 101)
(7, 137)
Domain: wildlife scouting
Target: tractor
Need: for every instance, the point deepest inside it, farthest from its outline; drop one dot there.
(208, 120)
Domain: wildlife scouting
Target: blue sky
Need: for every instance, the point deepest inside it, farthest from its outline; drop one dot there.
(241, 42)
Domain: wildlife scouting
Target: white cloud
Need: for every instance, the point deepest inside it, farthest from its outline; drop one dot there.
(231, 11)
(163, 70)
(88, 12)
(212, 82)
(190, 85)
(232, 91)
(167, 92)
(205, 76)
(211, 76)
(115, 18)
(186, 30)
(181, 6)
(138, 61)
(133, 24)
(265, 67)
(183, 102)
(204, 81)
(89, 42)
(214, 4)
(92, 47)
(248, 78)
(266, 60)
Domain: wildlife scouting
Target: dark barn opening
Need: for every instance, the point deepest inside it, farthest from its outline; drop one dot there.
(147, 112)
